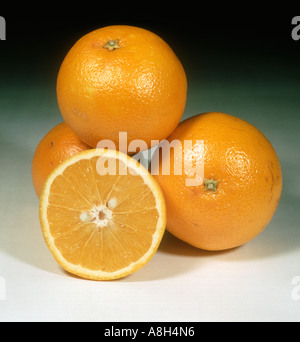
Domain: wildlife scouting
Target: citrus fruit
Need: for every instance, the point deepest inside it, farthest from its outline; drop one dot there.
(240, 188)
(58, 145)
(102, 226)
(121, 79)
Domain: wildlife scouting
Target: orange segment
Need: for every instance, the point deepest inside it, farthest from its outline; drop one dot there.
(102, 226)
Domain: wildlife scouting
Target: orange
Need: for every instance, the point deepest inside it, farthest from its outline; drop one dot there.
(58, 145)
(241, 187)
(121, 79)
(102, 215)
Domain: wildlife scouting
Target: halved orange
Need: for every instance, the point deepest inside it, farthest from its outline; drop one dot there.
(102, 215)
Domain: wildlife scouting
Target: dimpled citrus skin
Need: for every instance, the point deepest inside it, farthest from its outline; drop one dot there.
(58, 145)
(140, 87)
(243, 161)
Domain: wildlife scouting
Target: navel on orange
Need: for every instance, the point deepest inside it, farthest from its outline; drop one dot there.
(241, 188)
(102, 226)
(121, 79)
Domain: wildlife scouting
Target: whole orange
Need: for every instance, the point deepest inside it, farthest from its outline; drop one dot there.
(121, 79)
(58, 145)
(241, 188)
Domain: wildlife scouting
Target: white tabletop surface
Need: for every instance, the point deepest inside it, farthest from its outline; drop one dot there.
(255, 282)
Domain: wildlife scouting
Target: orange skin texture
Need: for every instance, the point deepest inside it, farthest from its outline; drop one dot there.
(58, 145)
(139, 88)
(244, 162)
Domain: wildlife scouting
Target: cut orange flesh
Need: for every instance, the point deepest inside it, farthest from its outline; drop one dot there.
(102, 226)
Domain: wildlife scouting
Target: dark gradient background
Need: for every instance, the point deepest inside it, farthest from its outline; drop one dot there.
(239, 61)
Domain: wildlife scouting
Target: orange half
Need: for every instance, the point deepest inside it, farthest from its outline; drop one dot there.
(102, 215)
